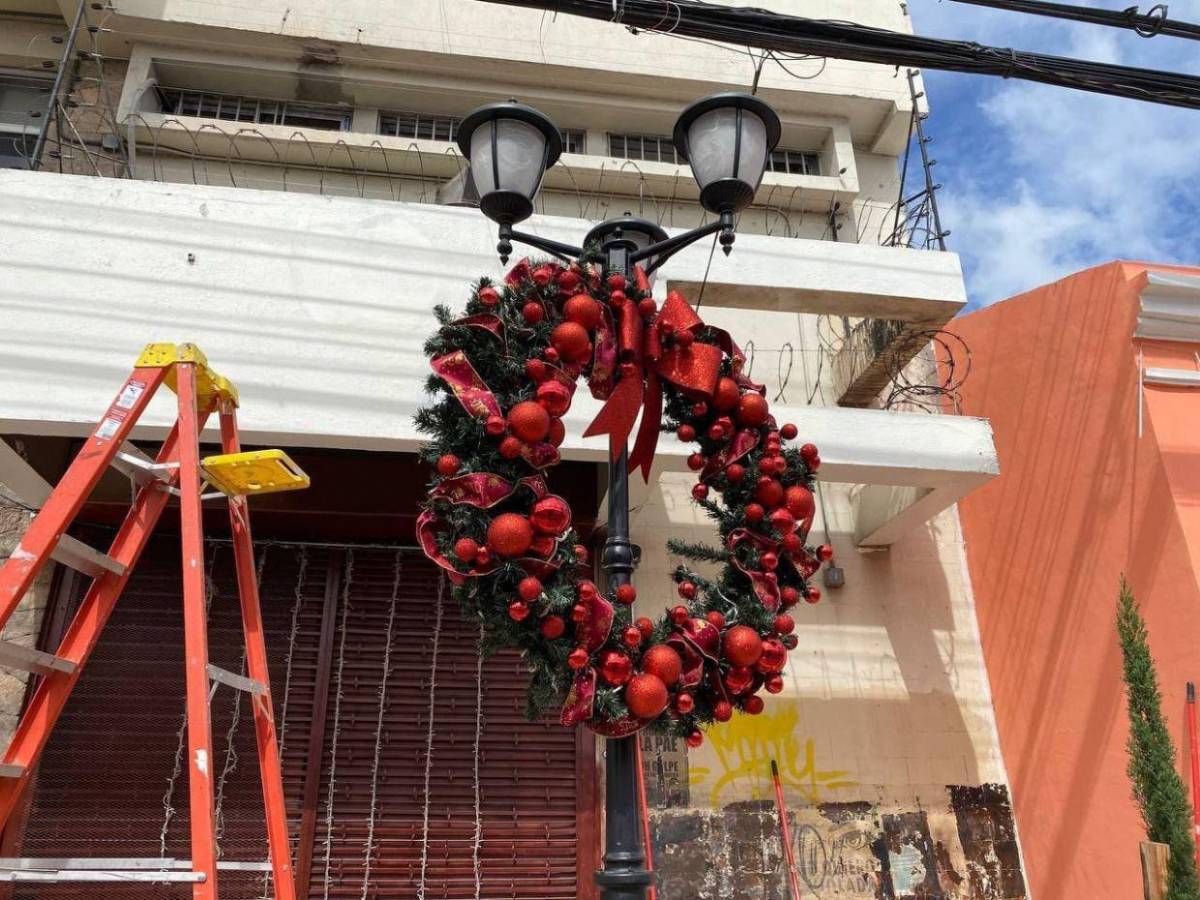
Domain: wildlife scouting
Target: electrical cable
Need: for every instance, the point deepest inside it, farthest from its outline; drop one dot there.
(767, 30)
(1149, 24)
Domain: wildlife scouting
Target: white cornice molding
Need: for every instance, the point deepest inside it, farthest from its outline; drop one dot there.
(1169, 308)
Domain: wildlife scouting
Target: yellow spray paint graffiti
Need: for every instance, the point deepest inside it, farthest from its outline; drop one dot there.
(744, 749)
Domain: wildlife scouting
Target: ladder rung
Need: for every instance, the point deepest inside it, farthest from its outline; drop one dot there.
(146, 869)
(14, 656)
(140, 468)
(8, 770)
(85, 559)
(233, 680)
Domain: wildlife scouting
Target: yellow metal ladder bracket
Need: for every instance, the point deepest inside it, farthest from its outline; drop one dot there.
(253, 472)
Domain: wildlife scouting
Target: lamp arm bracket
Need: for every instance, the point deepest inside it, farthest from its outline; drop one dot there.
(563, 251)
(664, 250)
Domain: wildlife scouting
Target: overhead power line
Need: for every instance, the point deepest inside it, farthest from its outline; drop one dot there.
(1148, 24)
(766, 30)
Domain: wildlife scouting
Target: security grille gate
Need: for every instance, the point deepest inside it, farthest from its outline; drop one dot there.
(480, 805)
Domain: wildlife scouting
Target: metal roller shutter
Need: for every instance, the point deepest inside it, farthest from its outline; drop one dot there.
(105, 783)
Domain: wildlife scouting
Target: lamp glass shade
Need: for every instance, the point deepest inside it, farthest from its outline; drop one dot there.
(514, 161)
(716, 152)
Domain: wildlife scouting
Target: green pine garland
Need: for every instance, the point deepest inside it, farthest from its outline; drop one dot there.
(453, 431)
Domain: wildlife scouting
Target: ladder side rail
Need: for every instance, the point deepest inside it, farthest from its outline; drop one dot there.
(81, 477)
(50, 696)
(201, 792)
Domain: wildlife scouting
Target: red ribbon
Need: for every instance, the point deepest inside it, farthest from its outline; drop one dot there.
(766, 584)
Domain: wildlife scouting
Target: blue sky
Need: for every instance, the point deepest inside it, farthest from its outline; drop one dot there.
(1042, 181)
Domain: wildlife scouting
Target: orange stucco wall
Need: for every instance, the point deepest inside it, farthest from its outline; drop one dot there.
(1081, 499)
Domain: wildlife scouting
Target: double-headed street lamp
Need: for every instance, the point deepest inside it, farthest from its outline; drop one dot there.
(727, 138)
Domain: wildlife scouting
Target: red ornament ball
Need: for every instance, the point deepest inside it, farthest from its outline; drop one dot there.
(568, 279)
(533, 312)
(790, 641)
(789, 596)
(717, 619)
(715, 432)
(518, 610)
(615, 282)
(814, 464)
(788, 431)
(736, 472)
(663, 662)
(577, 659)
(783, 521)
(554, 397)
(774, 656)
(685, 339)
(792, 543)
(753, 705)
(615, 667)
(626, 593)
(800, 502)
(825, 553)
(550, 355)
(769, 493)
(813, 595)
(809, 452)
(529, 589)
(617, 298)
(774, 684)
(695, 739)
(647, 307)
(644, 625)
(722, 710)
(483, 556)
(542, 275)
(582, 310)
(680, 614)
(553, 627)
(752, 410)
(684, 703)
(571, 341)
(581, 554)
(700, 409)
(494, 425)
(510, 535)
(686, 589)
(510, 447)
(754, 513)
(558, 432)
(739, 679)
(685, 433)
(726, 395)
(551, 516)
(769, 561)
(695, 462)
(489, 296)
(742, 646)
(700, 491)
(784, 624)
(535, 370)
(448, 464)
(646, 696)
(631, 637)
(465, 549)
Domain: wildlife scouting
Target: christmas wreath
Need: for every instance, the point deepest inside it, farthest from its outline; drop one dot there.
(504, 375)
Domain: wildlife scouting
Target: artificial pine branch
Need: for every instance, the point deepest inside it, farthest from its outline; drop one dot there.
(697, 551)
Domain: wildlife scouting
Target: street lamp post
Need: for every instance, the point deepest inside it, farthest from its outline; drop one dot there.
(727, 139)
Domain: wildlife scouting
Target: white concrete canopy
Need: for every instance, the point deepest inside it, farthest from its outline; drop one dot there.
(317, 308)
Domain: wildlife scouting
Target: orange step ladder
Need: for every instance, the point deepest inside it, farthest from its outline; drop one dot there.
(177, 471)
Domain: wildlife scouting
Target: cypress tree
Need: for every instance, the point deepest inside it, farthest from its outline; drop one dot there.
(1157, 787)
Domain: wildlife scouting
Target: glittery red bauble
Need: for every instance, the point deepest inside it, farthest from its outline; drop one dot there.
(581, 554)
(769, 493)
(700, 409)
(448, 464)
(686, 589)
(558, 432)
(685, 433)
(617, 298)
(533, 312)
(553, 627)
(753, 705)
(568, 280)
(542, 275)
(664, 662)
(814, 464)
(788, 431)
(774, 684)
(615, 667)
(679, 615)
(717, 619)
(494, 425)
(726, 394)
(684, 704)
(752, 410)
(715, 432)
(578, 658)
(543, 545)
(483, 556)
(646, 696)
(792, 543)
(722, 710)
(554, 397)
(647, 307)
(518, 610)
(813, 595)
(735, 472)
(789, 596)
(825, 553)
(631, 637)
(742, 646)
(535, 370)
(790, 641)
(626, 593)
(695, 739)
(754, 512)
(769, 561)
(510, 535)
(739, 679)
(695, 462)
(785, 624)
(465, 549)
(570, 339)
(529, 589)
(809, 452)
(800, 502)
(774, 656)
(510, 447)
(700, 491)
(550, 355)
(550, 515)
(615, 282)
(783, 521)
(582, 310)
(489, 296)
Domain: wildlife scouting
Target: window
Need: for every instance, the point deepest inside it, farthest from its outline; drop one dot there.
(234, 108)
(430, 127)
(649, 147)
(23, 104)
(794, 162)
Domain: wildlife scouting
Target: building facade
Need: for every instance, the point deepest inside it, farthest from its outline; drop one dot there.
(277, 184)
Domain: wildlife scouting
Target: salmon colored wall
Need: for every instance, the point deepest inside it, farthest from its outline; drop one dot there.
(1080, 500)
